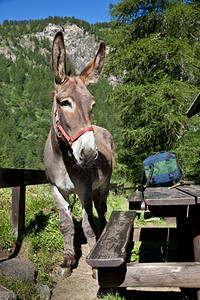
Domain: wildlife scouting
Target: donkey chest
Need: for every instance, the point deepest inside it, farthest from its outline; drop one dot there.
(71, 179)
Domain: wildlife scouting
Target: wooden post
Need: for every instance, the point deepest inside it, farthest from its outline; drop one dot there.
(18, 211)
(184, 239)
(195, 223)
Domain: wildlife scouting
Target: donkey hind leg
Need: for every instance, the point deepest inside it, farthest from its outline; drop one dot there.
(99, 197)
(67, 230)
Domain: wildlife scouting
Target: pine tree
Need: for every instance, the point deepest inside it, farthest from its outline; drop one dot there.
(155, 52)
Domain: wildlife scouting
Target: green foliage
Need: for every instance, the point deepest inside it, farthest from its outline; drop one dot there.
(14, 29)
(103, 111)
(155, 51)
(135, 254)
(113, 296)
(6, 237)
(20, 287)
(25, 109)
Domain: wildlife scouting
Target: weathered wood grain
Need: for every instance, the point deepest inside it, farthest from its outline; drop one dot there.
(19, 177)
(193, 190)
(162, 196)
(185, 275)
(18, 210)
(135, 200)
(110, 249)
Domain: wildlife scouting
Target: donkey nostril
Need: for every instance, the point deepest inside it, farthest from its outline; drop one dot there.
(87, 153)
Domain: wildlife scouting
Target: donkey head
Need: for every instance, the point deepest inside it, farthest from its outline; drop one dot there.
(72, 113)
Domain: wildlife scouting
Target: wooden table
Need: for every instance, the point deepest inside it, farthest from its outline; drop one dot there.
(183, 203)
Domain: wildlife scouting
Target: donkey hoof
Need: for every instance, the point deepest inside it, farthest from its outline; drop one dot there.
(94, 273)
(65, 272)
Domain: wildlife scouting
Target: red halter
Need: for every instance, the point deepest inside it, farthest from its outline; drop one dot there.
(65, 135)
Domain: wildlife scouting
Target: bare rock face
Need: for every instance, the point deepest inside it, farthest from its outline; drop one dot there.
(80, 46)
(49, 32)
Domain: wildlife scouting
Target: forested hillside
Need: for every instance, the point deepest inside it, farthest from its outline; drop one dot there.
(26, 84)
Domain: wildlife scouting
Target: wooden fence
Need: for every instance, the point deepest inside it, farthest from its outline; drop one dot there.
(18, 179)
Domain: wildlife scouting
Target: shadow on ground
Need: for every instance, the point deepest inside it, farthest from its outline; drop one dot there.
(148, 295)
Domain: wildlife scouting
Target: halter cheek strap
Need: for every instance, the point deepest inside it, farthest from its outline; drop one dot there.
(65, 137)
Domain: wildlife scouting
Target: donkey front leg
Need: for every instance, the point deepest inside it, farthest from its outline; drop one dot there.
(88, 224)
(67, 229)
(100, 197)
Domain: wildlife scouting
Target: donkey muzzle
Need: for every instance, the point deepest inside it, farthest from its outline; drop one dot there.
(88, 154)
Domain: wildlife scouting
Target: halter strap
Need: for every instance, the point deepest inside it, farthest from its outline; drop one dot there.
(65, 135)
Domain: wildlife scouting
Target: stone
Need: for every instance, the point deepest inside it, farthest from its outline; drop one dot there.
(17, 269)
(7, 295)
(43, 291)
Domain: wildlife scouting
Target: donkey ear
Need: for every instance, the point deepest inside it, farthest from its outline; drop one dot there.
(59, 58)
(92, 71)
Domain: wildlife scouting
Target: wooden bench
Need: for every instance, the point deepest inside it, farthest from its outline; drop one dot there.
(111, 248)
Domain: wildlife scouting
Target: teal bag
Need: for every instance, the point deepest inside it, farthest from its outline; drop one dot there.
(161, 169)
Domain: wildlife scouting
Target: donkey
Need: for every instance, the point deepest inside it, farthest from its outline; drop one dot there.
(78, 156)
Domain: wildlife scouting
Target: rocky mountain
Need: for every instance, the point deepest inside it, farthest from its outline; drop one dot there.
(80, 46)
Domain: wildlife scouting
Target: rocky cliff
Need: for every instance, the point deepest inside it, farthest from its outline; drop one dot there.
(80, 46)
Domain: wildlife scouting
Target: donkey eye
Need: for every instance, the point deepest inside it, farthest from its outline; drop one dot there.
(66, 103)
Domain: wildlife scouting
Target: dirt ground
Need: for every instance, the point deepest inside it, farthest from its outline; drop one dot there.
(80, 285)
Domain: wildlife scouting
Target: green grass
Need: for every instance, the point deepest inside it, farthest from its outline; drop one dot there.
(20, 287)
(6, 237)
(112, 296)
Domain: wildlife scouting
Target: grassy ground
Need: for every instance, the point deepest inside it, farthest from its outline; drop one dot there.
(42, 239)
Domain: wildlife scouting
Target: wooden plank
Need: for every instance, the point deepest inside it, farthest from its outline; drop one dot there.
(184, 239)
(162, 196)
(135, 200)
(18, 211)
(20, 177)
(194, 214)
(193, 190)
(110, 249)
(184, 275)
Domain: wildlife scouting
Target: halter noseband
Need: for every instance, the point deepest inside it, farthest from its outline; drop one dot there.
(65, 138)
